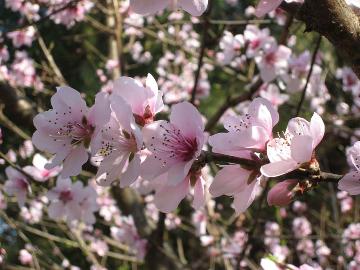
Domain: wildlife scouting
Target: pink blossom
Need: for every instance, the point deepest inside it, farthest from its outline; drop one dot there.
(174, 146)
(255, 39)
(16, 185)
(118, 145)
(25, 257)
(72, 201)
(272, 93)
(4, 53)
(234, 245)
(64, 199)
(126, 232)
(251, 130)
(26, 149)
(301, 227)
(70, 15)
(350, 81)
(299, 68)
(88, 205)
(230, 46)
(273, 61)
(265, 6)
(296, 148)
(30, 10)
(34, 213)
(145, 101)
(299, 207)
(281, 194)
(68, 129)
(22, 37)
(38, 171)
(350, 181)
(194, 7)
(99, 246)
(22, 72)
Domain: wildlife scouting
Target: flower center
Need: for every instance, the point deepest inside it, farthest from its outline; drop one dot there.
(120, 141)
(146, 118)
(65, 196)
(22, 184)
(173, 145)
(255, 43)
(270, 58)
(78, 132)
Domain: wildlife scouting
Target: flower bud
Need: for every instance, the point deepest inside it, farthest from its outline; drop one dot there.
(282, 193)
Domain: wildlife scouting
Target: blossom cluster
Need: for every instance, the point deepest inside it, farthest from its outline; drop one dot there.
(120, 134)
(142, 133)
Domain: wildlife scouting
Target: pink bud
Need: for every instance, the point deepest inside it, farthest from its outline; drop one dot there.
(281, 194)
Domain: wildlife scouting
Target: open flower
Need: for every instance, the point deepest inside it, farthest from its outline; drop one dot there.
(246, 133)
(255, 39)
(194, 7)
(251, 130)
(72, 201)
(174, 147)
(38, 171)
(351, 181)
(16, 185)
(296, 148)
(145, 101)
(230, 46)
(273, 61)
(68, 129)
(118, 144)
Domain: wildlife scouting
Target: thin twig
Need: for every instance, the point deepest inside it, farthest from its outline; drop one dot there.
(205, 28)
(313, 59)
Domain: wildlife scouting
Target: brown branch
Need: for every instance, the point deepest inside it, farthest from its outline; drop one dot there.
(18, 108)
(335, 20)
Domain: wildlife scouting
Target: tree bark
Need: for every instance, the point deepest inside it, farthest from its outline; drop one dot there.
(336, 21)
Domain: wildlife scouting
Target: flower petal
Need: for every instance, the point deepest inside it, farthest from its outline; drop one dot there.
(144, 7)
(229, 181)
(301, 148)
(199, 194)
(245, 198)
(74, 161)
(350, 183)
(168, 197)
(194, 7)
(278, 168)
(132, 172)
(186, 118)
(317, 129)
(265, 6)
